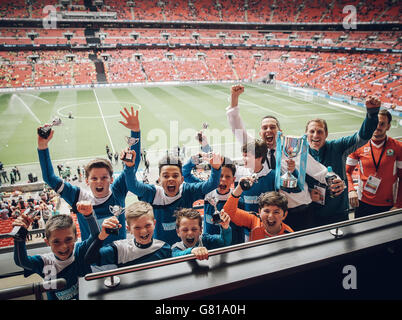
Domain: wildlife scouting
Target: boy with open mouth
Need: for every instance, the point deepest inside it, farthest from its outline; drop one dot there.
(171, 193)
(272, 210)
(193, 241)
(142, 248)
(216, 199)
(104, 191)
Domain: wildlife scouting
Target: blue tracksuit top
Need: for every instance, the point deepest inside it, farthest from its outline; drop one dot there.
(164, 207)
(209, 241)
(49, 267)
(73, 194)
(209, 210)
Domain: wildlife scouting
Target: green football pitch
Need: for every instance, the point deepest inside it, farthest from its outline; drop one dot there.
(170, 115)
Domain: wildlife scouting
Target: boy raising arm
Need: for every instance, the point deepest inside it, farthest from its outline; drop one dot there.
(66, 259)
(172, 193)
(105, 192)
(273, 209)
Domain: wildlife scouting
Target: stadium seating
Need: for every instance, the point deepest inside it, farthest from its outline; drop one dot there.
(335, 72)
(217, 10)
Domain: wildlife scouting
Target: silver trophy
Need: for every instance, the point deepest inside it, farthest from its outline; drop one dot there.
(200, 133)
(45, 130)
(291, 147)
(216, 216)
(129, 156)
(116, 211)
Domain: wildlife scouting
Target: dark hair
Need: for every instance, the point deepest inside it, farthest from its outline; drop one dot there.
(228, 163)
(273, 198)
(257, 147)
(188, 213)
(272, 117)
(98, 163)
(58, 222)
(169, 161)
(387, 114)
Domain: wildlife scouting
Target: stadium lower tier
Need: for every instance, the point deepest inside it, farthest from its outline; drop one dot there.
(357, 75)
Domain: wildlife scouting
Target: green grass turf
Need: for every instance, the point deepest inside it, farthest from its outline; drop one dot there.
(169, 116)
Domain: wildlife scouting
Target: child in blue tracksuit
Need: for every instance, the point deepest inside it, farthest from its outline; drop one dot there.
(105, 192)
(171, 194)
(65, 261)
(142, 248)
(254, 156)
(189, 230)
(219, 196)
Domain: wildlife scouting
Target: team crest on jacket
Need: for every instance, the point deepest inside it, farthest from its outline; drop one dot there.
(390, 152)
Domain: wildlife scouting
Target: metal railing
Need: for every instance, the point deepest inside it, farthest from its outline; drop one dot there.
(334, 228)
(36, 289)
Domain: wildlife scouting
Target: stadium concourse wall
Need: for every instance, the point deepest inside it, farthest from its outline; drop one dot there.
(279, 85)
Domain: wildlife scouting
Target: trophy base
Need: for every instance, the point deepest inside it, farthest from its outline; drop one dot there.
(128, 157)
(114, 231)
(44, 132)
(288, 181)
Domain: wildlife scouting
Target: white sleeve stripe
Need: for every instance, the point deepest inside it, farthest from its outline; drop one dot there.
(351, 162)
(399, 164)
(60, 188)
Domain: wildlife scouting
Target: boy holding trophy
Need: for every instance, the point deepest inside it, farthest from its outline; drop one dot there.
(105, 192)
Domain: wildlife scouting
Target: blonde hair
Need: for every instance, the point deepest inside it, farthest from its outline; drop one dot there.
(138, 209)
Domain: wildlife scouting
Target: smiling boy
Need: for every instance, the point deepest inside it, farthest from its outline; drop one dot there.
(66, 259)
(104, 191)
(273, 209)
(142, 248)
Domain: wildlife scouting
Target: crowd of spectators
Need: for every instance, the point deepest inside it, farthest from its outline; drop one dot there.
(278, 11)
(12, 204)
(356, 75)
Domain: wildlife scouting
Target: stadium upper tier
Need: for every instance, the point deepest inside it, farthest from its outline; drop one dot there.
(259, 11)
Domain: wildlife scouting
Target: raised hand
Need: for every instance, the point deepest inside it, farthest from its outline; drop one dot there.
(23, 220)
(42, 142)
(85, 208)
(131, 119)
(236, 91)
(216, 161)
(373, 102)
(225, 220)
(109, 223)
(124, 157)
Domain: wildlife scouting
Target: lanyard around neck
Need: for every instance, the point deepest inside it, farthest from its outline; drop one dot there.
(377, 164)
